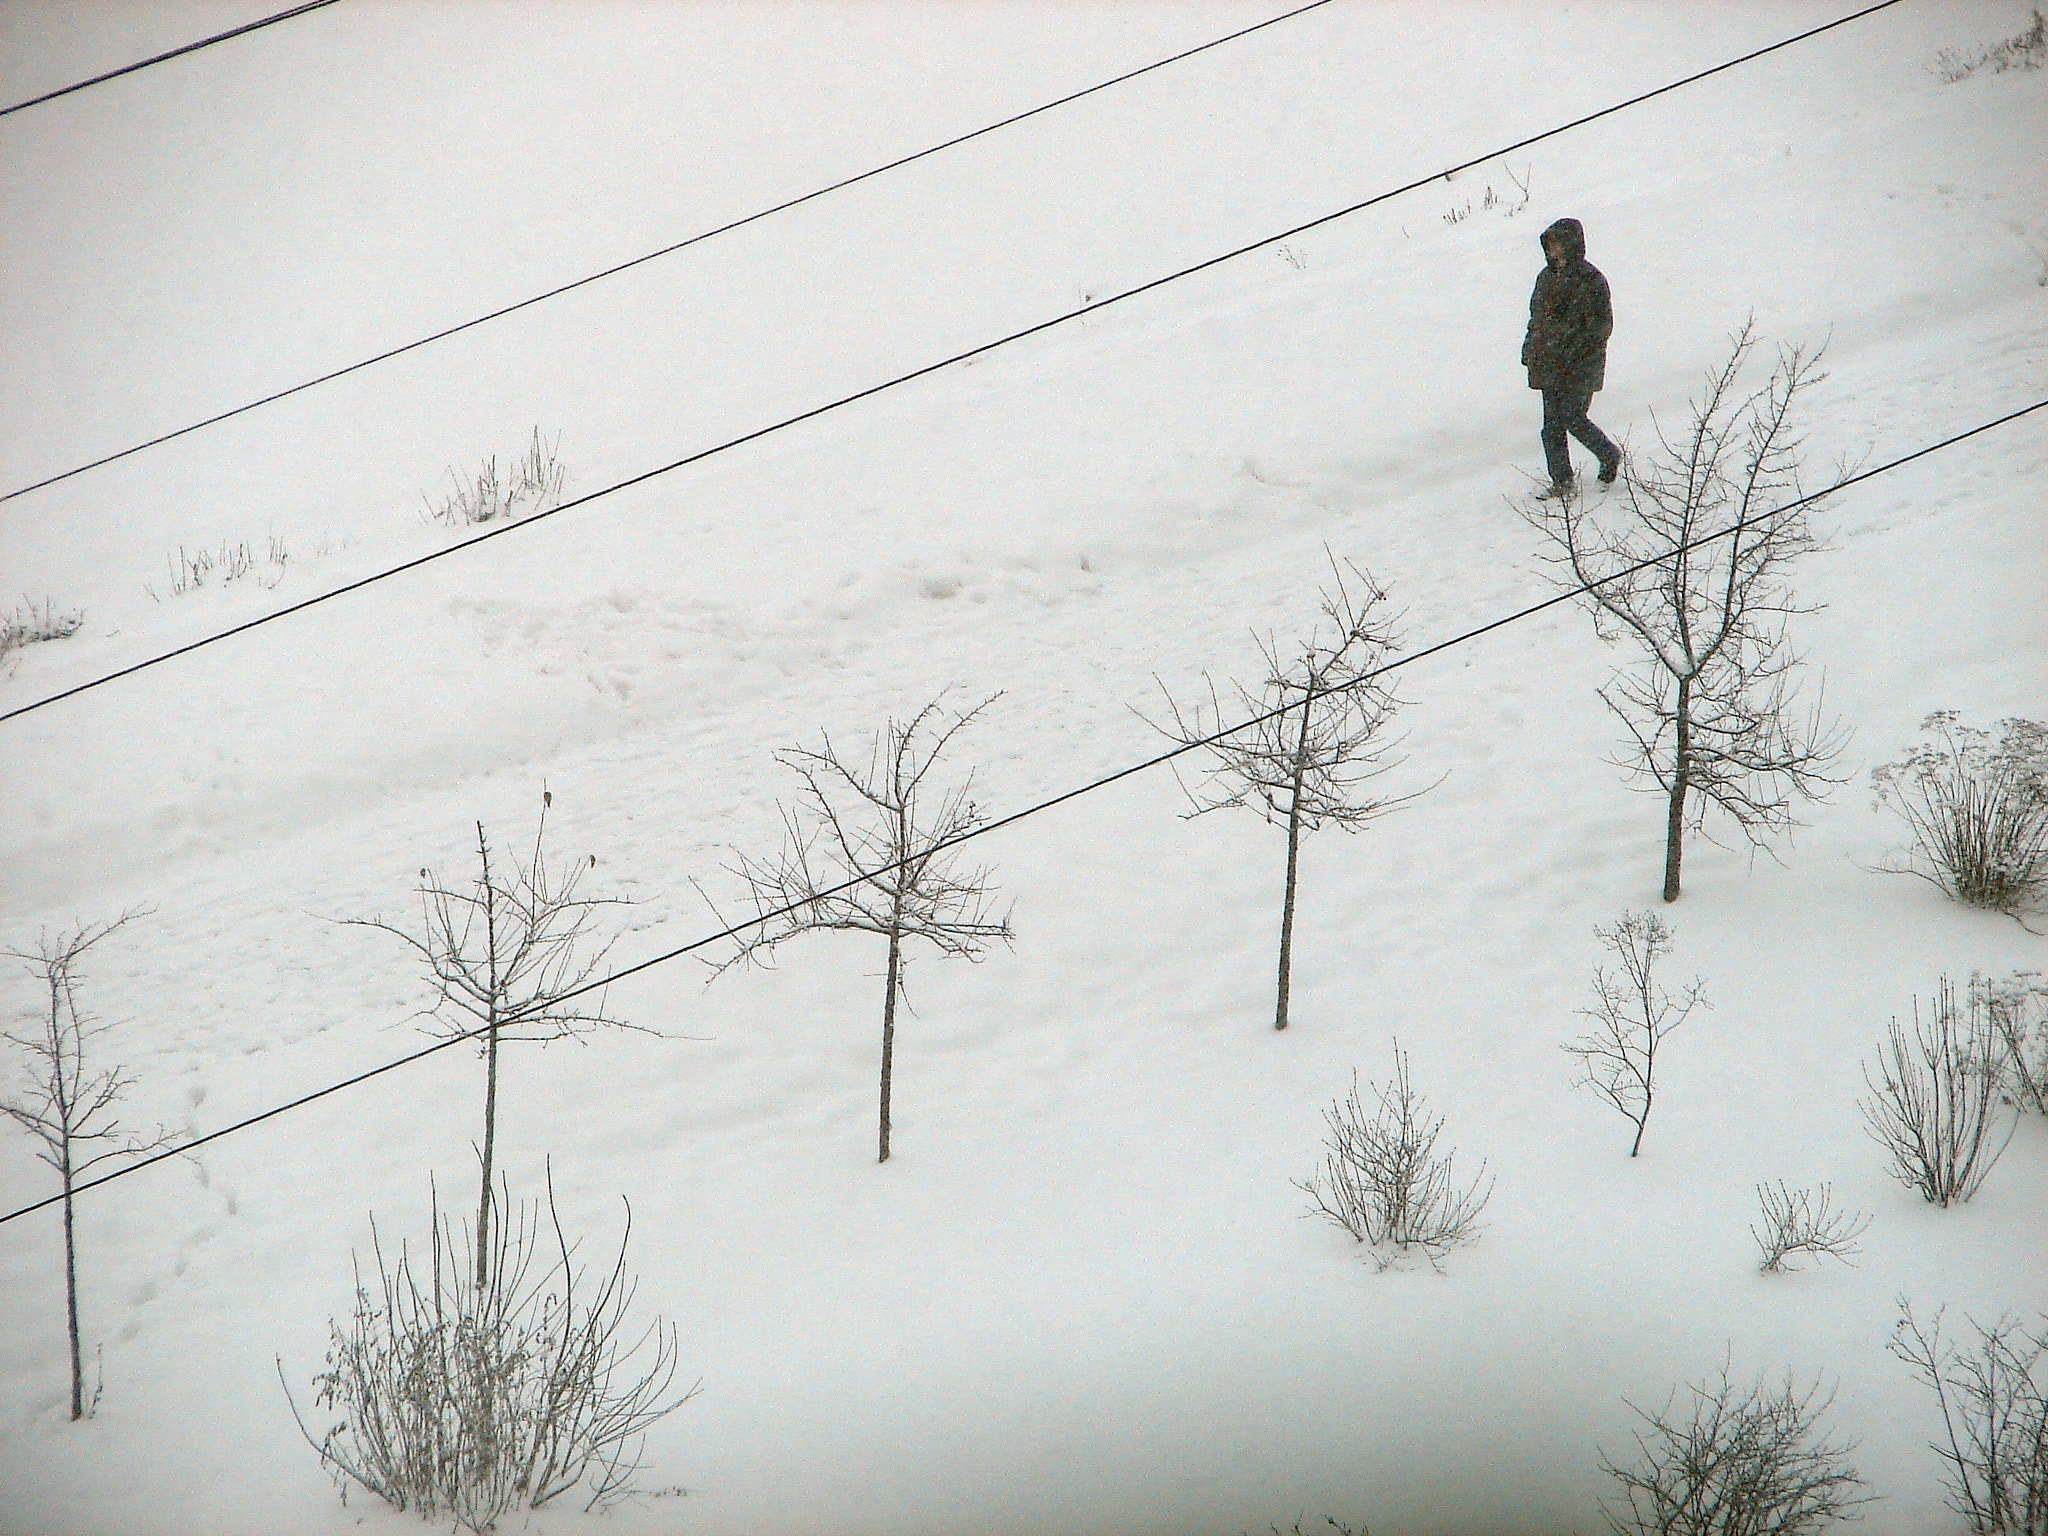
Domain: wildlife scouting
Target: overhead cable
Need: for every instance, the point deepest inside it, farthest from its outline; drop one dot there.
(667, 250)
(918, 373)
(204, 42)
(1041, 806)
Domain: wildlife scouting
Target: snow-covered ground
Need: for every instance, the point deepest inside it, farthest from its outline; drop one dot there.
(1081, 1297)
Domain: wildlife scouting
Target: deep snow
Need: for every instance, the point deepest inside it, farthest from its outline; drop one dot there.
(1080, 1297)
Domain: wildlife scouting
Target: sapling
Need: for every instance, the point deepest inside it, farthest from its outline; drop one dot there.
(508, 961)
(1711, 703)
(1632, 1018)
(1316, 740)
(866, 850)
(69, 1103)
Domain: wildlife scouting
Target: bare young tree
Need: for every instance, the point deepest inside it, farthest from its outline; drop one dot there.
(1315, 743)
(866, 849)
(1710, 704)
(1382, 1181)
(502, 957)
(1994, 1418)
(1934, 1101)
(68, 1103)
(1803, 1221)
(1632, 1016)
(1736, 1462)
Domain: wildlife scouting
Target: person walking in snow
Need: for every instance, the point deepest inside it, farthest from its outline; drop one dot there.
(1571, 315)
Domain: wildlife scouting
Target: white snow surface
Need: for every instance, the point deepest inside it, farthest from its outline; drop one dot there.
(1082, 1296)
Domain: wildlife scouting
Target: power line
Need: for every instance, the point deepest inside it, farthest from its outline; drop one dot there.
(1045, 805)
(918, 373)
(204, 42)
(667, 250)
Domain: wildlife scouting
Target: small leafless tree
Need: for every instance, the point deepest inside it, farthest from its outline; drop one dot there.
(1977, 811)
(867, 849)
(1994, 1418)
(1382, 1181)
(1734, 1462)
(1315, 742)
(68, 1103)
(504, 958)
(1710, 705)
(1632, 1016)
(1803, 1221)
(473, 1389)
(1934, 1099)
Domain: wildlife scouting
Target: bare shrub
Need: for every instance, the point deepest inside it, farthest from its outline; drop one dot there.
(1316, 742)
(191, 569)
(506, 960)
(1382, 1181)
(1710, 704)
(473, 1389)
(866, 851)
(2023, 50)
(27, 624)
(533, 483)
(2016, 1008)
(1934, 1102)
(69, 1103)
(1632, 1016)
(1799, 1221)
(1977, 812)
(1734, 1462)
(1994, 1418)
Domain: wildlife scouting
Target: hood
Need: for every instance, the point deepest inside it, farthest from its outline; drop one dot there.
(1570, 234)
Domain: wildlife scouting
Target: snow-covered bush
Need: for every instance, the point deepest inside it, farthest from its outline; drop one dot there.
(1803, 1221)
(1382, 1181)
(27, 624)
(466, 1392)
(533, 484)
(1977, 812)
(2024, 50)
(2016, 1007)
(190, 569)
(1738, 1462)
(1934, 1102)
(1994, 1419)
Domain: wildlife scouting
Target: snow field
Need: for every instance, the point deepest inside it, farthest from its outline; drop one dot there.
(1080, 1297)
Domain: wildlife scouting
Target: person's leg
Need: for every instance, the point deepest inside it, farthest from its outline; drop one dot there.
(1557, 413)
(1581, 427)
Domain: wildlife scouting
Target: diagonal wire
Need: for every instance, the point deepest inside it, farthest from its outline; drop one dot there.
(204, 42)
(1045, 805)
(918, 373)
(667, 250)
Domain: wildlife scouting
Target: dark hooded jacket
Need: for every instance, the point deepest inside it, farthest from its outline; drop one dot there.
(1571, 316)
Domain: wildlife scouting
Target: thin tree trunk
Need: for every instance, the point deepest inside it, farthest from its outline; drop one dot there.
(1641, 1125)
(483, 1206)
(483, 1209)
(71, 1297)
(1293, 865)
(889, 1034)
(1674, 820)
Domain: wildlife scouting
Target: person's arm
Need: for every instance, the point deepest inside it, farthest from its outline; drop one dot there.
(1535, 312)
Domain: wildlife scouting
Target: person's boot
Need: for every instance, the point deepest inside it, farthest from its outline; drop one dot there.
(1558, 490)
(1610, 469)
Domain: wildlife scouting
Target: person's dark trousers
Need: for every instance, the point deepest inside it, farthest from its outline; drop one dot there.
(1564, 411)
